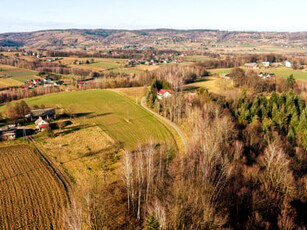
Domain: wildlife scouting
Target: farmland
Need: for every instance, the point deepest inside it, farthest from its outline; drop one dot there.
(280, 71)
(285, 72)
(31, 196)
(104, 123)
(117, 115)
(107, 65)
(12, 76)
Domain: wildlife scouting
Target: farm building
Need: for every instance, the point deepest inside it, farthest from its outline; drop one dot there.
(251, 65)
(266, 75)
(8, 134)
(58, 83)
(164, 93)
(266, 64)
(288, 64)
(41, 124)
(37, 81)
(11, 132)
(46, 114)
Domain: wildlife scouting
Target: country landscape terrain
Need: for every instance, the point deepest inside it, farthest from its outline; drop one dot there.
(153, 128)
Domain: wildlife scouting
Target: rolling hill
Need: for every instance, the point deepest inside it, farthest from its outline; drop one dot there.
(159, 38)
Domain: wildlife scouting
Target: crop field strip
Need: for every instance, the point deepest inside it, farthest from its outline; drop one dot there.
(31, 195)
(11, 76)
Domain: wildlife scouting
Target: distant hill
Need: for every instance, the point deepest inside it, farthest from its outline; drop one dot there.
(159, 38)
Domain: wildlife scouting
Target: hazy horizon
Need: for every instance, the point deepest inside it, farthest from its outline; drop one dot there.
(227, 15)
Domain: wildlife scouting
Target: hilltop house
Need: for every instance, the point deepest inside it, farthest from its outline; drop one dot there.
(46, 114)
(41, 124)
(252, 65)
(164, 93)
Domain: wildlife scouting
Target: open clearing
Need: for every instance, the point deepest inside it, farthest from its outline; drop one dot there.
(31, 195)
(216, 85)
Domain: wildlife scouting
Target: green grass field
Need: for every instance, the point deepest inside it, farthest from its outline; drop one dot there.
(220, 71)
(117, 115)
(196, 58)
(109, 64)
(280, 71)
(8, 82)
(286, 72)
(12, 76)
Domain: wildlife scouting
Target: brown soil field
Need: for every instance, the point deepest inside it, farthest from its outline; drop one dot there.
(32, 196)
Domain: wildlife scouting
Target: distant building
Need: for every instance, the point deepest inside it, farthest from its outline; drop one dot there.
(41, 124)
(252, 65)
(58, 83)
(265, 64)
(266, 75)
(277, 64)
(37, 81)
(164, 93)
(8, 134)
(288, 64)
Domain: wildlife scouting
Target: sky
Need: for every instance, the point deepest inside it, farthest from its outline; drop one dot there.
(238, 15)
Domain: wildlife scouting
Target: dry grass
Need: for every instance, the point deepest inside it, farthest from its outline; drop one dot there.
(79, 150)
(135, 93)
(217, 85)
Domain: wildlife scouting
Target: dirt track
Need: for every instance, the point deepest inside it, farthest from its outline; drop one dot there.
(168, 122)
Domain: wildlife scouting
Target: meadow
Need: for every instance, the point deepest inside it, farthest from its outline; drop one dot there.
(280, 71)
(11, 76)
(117, 115)
(196, 58)
(31, 195)
(286, 72)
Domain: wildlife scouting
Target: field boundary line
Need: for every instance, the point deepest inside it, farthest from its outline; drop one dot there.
(168, 122)
(59, 175)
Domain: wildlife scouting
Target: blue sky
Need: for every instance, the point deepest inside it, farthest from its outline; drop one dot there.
(259, 15)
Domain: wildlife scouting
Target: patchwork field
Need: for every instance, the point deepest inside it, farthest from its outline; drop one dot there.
(11, 76)
(31, 196)
(108, 64)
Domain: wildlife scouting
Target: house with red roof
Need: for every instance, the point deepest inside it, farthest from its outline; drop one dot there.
(41, 124)
(37, 81)
(164, 93)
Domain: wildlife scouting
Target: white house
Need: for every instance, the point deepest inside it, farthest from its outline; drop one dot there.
(41, 124)
(252, 65)
(288, 64)
(266, 64)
